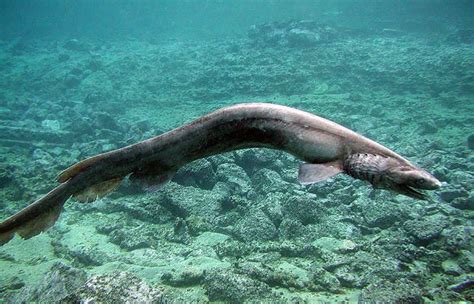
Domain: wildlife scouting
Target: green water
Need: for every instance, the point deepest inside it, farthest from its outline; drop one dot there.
(85, 77)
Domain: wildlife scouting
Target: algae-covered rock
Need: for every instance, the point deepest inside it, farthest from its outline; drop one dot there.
(252, 160)
(235, 177)
(266, 180)
(381, 214)
(305, 208)
(183, 201)
(470, 141)
(118, 287)
(391, 292)
(130, 239)
(233, 288)
(453, 192)
(60, 282)
(76, 45)
(458, 238)
(426, 229)
(335, 245)
(256, 226)
(145, 207)
(199, 174)
(324, 280)
(451, 267)
(464, 203)
(291, 228)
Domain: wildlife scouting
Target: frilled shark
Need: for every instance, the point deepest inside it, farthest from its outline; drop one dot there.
(326, 147)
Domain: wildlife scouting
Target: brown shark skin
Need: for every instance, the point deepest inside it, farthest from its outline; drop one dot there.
(306, 136)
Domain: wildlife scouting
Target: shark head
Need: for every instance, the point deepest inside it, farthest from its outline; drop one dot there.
(392, 174)
(408, 180)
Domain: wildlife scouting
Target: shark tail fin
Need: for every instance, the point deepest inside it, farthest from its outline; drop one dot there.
(37, 217)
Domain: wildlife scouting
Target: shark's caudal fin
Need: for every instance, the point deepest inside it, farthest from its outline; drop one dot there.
(43, 213)
(37, 217)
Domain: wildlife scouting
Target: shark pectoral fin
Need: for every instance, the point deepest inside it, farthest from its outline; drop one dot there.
(313, 173)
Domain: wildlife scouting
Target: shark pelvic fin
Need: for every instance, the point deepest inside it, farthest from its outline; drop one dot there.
(314, 173)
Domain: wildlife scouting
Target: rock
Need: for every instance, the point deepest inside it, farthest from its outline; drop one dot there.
(147, 208)
(470, 141)
(118, 287)
(302, 33)
(458, 238)
(266, 180)
(465, 283)
(305, 208)
(210, 239)
(71, 81)
(255, 226)
(303, 38)
(235, 177)
(346, 277)
(335, 245)
(233, 288)
(106, 121)
(289, 275)
(60, 282)
(185, 201)
(466, 260)
(198, 174)
(251, 160)
(83, 254)
(42, 157)
(403, 291)
(131, 239)
(464, 203)
(291, 229)
(7, 175)
(451, 267)
(13, 283)
(76, 45)
(426, 229)
(63, 57)
(323, 280)
(450, 193)
(52, 125)
(273, 208)
(382, 215)
(180, 232)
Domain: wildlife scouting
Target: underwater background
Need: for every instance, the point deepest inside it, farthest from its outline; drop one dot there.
(78, 78)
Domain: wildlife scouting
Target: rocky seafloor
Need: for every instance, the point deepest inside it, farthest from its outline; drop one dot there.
(237, 227)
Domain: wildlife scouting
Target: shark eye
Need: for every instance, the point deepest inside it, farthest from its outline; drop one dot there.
(420, 181)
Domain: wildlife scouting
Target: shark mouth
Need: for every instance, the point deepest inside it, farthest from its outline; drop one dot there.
(411, 192)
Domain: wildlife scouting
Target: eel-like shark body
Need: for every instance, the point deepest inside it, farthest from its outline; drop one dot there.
(326, 147)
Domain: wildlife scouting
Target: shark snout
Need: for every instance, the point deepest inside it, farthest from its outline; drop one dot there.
(430, 182)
